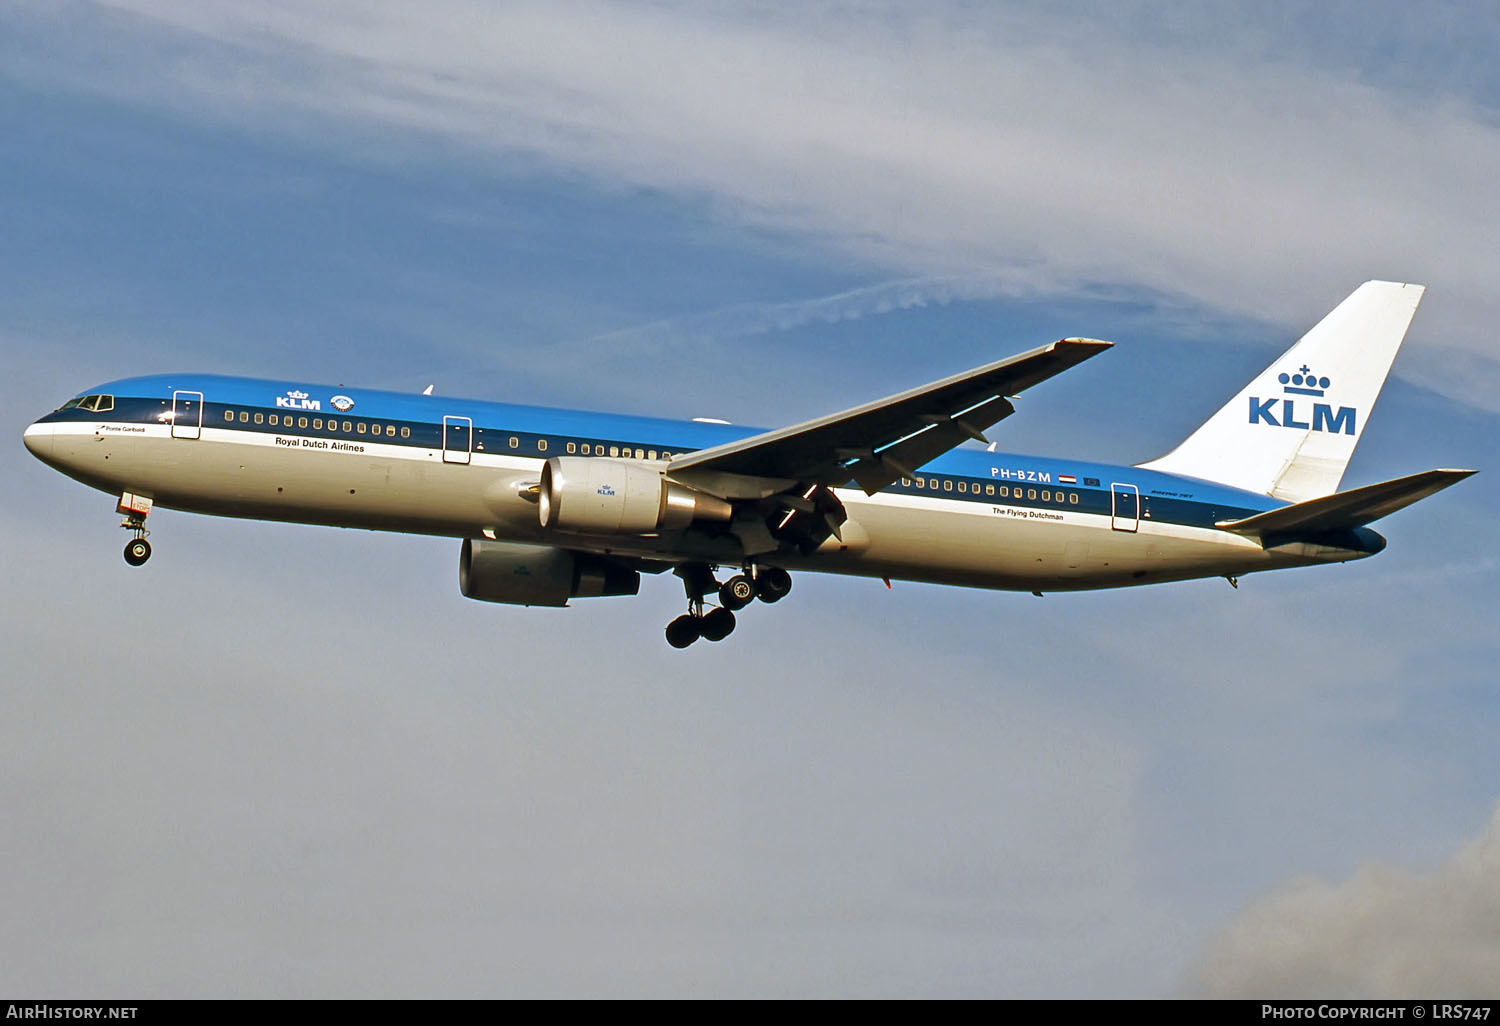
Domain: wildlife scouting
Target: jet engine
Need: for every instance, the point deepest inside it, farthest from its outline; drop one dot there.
(594, 496)
(538, 575)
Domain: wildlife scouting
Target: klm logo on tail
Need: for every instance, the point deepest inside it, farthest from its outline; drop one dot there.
(1302, 383)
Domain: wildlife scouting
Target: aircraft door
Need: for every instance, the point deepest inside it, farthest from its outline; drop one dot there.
(458, 439)
(187, 414)
(1125, 507)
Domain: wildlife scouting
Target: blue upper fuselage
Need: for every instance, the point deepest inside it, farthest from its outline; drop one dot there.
(1163, 496)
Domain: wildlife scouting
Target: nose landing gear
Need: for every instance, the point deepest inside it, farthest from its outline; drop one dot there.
(135, 508)
(716, 624)
(137, 551)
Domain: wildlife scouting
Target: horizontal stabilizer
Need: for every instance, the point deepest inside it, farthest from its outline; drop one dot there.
(1344, 510)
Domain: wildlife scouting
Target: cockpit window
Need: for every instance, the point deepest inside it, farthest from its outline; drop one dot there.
(97, 403)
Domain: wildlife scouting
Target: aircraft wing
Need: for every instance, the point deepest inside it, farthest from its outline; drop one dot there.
(878, 442)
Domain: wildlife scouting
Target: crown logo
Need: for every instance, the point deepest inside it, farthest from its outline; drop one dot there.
(297, 395)
(1304, 382)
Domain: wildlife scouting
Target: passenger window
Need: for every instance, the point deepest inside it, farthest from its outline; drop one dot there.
(275, 420)
(347, 426)
(390, 431)
(1046, 496)
(244, 417)
(229, 416)
(317, 423)
(515, 443)
(948, 485)
(906, 482)
(572, 447)
(614, 450)
(406, 432)
(1073, 498)
(360, 427)
(1004, 492)
(963, 486)
(1030, 493)
(541, 445)
(650, 454)
(260, 418)
(989, 489)
(302, 422)
(640, 454)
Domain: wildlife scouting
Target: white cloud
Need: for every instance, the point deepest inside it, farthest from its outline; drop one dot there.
(950, 143)
(1384, 933)
(747, 319)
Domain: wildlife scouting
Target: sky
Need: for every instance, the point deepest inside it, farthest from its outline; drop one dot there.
(287, 761)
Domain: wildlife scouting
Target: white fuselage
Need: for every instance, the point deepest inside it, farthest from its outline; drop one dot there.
(924, 529)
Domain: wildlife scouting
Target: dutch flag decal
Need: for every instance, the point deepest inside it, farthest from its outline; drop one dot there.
(1066, 479)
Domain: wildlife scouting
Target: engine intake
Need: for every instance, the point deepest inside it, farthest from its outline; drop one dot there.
(594, 496)
(538, 575)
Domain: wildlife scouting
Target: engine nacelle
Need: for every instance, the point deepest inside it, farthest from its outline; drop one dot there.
(594, 496)
(538, 575)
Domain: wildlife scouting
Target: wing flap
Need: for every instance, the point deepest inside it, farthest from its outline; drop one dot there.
(902, 458)
(878, 442)
(1342, 510)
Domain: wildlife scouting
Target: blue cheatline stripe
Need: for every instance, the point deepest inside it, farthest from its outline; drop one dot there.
(1017, 481)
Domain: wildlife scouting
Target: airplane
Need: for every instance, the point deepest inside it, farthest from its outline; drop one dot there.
(552, 505)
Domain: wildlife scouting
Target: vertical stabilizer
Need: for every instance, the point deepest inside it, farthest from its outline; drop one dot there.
(1291, 431)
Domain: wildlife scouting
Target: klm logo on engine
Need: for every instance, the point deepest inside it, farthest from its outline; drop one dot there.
(1293, 413)
(297, 401)
(605, 490)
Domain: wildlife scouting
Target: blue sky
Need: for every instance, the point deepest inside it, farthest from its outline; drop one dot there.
(294, 761)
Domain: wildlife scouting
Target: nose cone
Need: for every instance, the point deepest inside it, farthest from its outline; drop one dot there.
(38, 439)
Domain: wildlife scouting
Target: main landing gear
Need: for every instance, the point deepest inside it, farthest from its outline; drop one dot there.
(715, 624)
